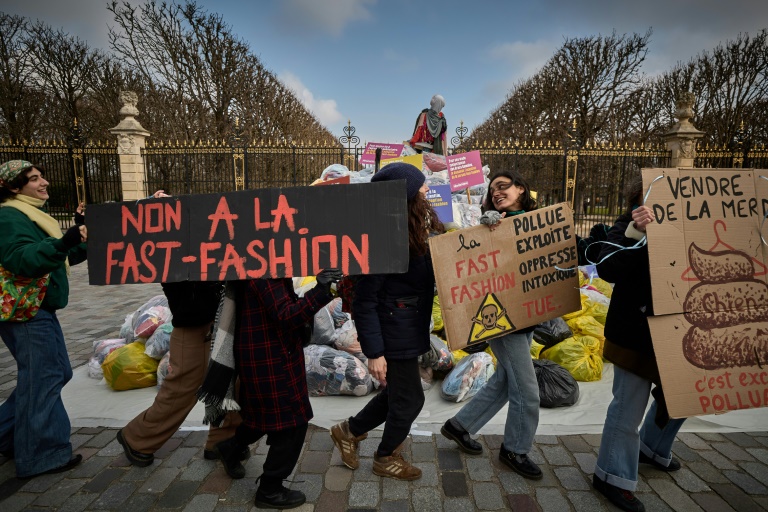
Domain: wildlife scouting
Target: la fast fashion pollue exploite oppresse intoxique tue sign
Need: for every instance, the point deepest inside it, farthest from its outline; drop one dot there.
(266, 233)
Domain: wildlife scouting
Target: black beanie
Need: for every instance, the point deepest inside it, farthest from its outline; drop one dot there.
(413, 177)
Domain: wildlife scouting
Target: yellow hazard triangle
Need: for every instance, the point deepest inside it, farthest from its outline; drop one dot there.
(490, 321)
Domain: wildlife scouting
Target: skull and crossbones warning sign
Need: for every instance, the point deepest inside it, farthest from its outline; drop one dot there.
(490, 321)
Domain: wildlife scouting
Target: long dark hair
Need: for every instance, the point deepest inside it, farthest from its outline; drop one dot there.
(422, 221)
(19, 181)
(526, 201)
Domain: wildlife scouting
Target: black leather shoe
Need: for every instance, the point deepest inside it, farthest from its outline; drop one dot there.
(466, 443)
(212, 455)
(229, 452)
(674, 464)
(625, 500)
(139, 459)
(520, 463)
(281, 499)
(74, 461)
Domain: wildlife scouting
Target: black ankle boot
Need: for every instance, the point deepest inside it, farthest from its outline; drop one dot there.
(229, 452)
(281, 498)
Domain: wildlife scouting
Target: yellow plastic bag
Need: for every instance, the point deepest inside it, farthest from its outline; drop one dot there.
(598, 284)
(585, 302)
(587, 325)
(130, 368)
(458, 355)
(536, 349)
(579, 355)
(597, 311)
(437, 315)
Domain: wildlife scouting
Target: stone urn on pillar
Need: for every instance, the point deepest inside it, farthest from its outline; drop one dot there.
(131, 138)
(681, 139)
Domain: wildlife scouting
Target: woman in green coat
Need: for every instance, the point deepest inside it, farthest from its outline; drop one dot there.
(34, 426)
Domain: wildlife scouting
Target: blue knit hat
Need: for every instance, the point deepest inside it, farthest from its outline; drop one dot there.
(413, 177)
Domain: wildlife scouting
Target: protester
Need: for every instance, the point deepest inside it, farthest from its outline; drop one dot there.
(34, 425)
(193, 306)
(430, 129)
(269, 357)
(514, 382)
(628, 346)
(392, 314)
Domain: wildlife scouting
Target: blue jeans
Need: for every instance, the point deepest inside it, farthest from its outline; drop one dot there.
(33, 421)
(621, 443)
(514, 383)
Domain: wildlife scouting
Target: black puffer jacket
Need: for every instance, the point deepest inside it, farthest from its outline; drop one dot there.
(193, 303)
(626, 324)
(392, 311)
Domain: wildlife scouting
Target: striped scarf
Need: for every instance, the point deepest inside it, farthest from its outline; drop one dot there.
(218, 389)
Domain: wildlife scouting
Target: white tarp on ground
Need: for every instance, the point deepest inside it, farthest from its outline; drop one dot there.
(91, 403)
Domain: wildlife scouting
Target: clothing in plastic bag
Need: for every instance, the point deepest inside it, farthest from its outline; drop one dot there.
(160, 342)
(467, 377)
(101, 349)
(146, 319)
(129, 367)
(332, 372)
(557, 387)
(345, 338)
(439, 357)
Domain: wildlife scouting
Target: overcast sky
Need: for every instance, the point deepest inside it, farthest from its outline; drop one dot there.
(379, 62)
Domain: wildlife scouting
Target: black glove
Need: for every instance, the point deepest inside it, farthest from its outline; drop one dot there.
(327, 277)
(72, 237)
(79, 219)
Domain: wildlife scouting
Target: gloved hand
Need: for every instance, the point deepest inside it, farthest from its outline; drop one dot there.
(327, 277)
(72, 237)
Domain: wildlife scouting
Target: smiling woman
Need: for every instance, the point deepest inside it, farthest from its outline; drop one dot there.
(35, 258)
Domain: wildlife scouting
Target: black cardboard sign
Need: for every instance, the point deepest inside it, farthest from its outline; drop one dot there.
(266, 233)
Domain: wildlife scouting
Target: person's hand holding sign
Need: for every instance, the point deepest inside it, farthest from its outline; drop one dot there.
(327, 277)
(642, 216)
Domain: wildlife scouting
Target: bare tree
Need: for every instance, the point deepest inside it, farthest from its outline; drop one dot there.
(19, 99)
(204, 76)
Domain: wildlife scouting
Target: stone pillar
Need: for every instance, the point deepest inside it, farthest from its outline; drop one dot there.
(131, 138)
(681, 139)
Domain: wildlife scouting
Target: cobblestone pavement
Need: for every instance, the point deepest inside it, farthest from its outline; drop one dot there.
(721, 472)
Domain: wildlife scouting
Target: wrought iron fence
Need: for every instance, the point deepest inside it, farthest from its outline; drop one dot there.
(76, 170)
(734, 155)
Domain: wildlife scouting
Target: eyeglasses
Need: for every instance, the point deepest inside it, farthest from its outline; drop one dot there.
(504, 185)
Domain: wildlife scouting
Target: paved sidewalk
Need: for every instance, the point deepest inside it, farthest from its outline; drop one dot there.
(721, 472)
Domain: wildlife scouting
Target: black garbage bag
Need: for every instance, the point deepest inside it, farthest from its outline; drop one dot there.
(551, 332)
(557, 387)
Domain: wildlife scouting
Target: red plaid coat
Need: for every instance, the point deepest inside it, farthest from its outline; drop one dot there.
(270, 359)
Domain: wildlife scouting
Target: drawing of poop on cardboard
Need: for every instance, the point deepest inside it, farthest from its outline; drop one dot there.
(727, 309)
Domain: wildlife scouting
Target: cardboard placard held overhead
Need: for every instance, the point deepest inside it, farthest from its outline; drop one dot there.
(522, 273)
(283, 232)
(709, 272)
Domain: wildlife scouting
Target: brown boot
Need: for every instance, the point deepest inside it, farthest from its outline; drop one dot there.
(347, 444)
(395, 466)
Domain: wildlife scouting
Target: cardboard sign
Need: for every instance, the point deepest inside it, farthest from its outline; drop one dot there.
(709, 271)
(387, 151)
(522, 273)
(415, 160)
(439, 196)
(465, 170)
(252, 234)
